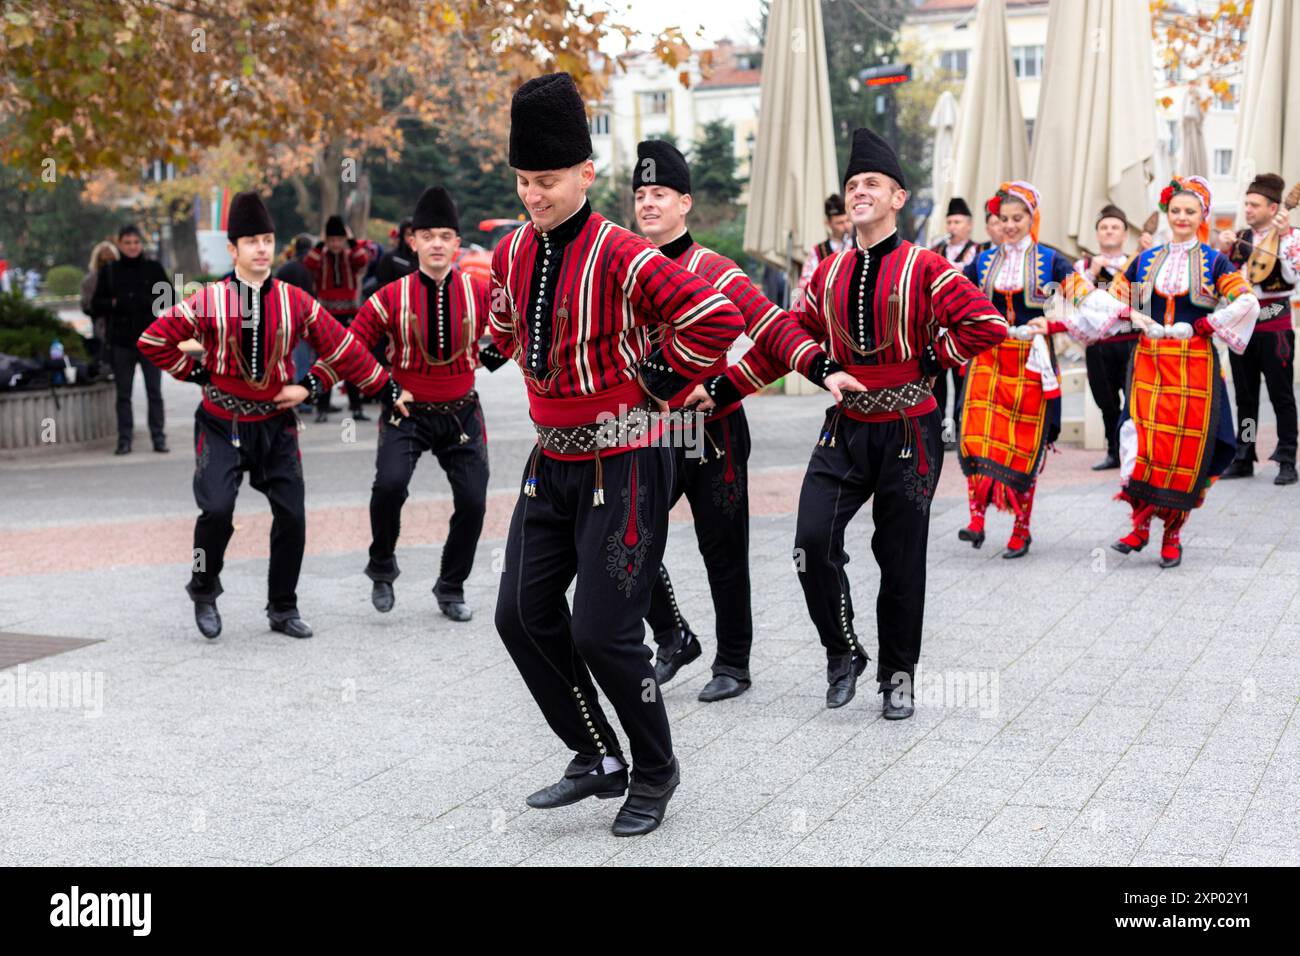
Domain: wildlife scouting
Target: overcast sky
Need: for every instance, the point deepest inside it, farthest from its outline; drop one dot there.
(719, 18)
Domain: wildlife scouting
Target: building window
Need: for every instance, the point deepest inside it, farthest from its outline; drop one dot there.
(599, 124)
(954, 61)
(655, 102)
(1028, 60)
(1222, 162)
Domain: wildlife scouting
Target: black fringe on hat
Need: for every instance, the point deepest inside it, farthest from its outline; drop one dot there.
(1269, 185)
(248, 216)
(660, 163)
(435, 209)
(871, 154)
(334, 226)
(1111, 211)
(957, 207)
(548, 124)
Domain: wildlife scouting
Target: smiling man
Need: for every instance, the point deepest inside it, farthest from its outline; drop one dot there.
(248, 324)
(605, 329)
(877, 307)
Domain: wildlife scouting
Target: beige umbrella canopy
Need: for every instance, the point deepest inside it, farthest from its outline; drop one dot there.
(1192, 161)
(943, 120)
(1102, 149)
(1268, 137)
(991, 146)
(794, 155)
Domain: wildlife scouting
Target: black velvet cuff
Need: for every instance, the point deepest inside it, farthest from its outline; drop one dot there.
(722, 390)
(199, 375)
(389, 394)
(661, 379)
(491, 357)
(823, 367)
(930, 363)
(313, 386)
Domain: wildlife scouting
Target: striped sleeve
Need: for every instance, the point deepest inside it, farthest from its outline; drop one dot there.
(974, 324)
(699, 323)
(371, 321)
(501, 324)
(338, 354)
(187, 319)
(760, 367)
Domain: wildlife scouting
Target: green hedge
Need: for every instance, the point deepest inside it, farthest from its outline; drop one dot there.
(63, 280)
(26, 330)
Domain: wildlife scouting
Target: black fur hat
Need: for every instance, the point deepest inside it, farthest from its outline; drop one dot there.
(957, 207)
(548, 124)
(1269, 185)
(247, 216)
(660, 163)
(435, 209)
(871, 154)
(334, 226)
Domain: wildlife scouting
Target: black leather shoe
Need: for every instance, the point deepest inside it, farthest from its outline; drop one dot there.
(639, 815)
(161, 447)
(897, 703)
(721, 687)
(123, 448)
(381, 596)
(1286, 474)
(673, 656)
(569, 790)
(841, 690)
(322, 416)
(1106, 464)
(290, 623)
(1019, 552)
(1239, 469)
(358, 415)
(207, 618)
(976, 538)
(456, 610)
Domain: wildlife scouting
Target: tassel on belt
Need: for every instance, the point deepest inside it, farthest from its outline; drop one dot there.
(238, 406)
(440, 408)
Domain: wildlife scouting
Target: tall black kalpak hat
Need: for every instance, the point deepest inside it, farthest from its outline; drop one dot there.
(957, 207)
(660, 163)
(435, 209)
(247, 216)
(1268, 185)
(334, 226)
(548, 124)
(834, 205)
(871, 154)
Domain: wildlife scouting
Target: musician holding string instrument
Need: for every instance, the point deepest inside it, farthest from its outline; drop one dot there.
(1268, 254)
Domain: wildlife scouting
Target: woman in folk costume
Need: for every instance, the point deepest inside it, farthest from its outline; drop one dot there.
(1176, 434)
(1012, 408)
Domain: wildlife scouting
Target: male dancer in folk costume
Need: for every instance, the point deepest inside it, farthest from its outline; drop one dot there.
(877, 308)
(1268, 254)
(248, 324)
(1107, 360)
(433, 319)
(604, 328)
(1176, 433)
(1011, 411)
(338, 265)
(715, 480)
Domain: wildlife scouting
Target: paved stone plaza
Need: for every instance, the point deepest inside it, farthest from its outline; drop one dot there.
(1076, 707)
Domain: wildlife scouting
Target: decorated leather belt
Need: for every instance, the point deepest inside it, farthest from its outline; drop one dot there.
(589, 439)
(894, 398)
(239, 407)
(443, 408)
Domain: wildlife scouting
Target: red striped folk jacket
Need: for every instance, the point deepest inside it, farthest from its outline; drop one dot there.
(338, 277)
(435, 366)
(768, 325)
(917, 293)
(621, 309)
(214, 317)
